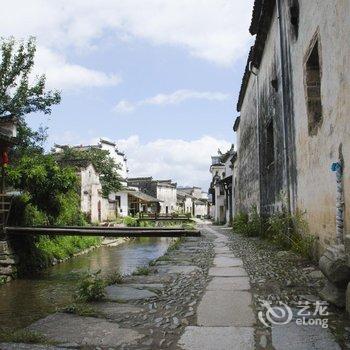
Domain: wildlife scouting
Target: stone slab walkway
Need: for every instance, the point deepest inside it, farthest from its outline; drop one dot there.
(225, 318)
(77, 330)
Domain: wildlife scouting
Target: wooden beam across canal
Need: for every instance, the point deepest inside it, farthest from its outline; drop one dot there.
(102, 231)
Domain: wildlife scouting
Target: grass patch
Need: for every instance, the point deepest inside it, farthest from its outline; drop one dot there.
(142, 271)
(38, 252)
(24, 336)
(61, 247)
(130, 221)
(114, 278)
(90, 288)
(147, 223)
(164, 258)
(174, 245)
(289, 232)
(188, 226)
(81, 309)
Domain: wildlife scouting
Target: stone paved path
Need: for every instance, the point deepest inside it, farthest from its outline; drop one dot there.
(225, 319)
(202, 295)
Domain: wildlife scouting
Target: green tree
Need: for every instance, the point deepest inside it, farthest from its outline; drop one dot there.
(44, 181)
(21, 93)
(18, 96)
(103, 163)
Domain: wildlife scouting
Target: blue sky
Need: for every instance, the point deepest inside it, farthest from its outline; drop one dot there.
(160, 77)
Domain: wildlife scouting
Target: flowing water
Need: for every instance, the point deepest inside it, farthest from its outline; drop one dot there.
(24, 301)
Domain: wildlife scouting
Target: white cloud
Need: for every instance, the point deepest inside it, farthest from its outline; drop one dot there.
(185, 162)
(63, 75)
(183, 95)
(124, 106)
(176, 97)
(213, 30)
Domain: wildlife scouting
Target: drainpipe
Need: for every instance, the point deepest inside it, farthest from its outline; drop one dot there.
(255, 73)
(285, 110)
(338, 169)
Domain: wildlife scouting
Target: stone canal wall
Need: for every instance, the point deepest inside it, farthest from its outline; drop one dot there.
(8, 261)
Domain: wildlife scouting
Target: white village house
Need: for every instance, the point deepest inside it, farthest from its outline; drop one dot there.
(93, 203)
(164, 190)
(196, 201)
(222, 186)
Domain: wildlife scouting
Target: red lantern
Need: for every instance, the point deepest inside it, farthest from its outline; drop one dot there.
(4, 158)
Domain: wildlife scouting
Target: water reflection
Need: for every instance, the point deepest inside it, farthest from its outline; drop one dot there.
(25, 300)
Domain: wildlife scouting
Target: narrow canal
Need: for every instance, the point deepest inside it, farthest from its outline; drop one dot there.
(23, 301)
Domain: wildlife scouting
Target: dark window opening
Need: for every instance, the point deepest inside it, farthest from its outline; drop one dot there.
(274, 83)
(270, 146)
(313, 90)
(294, 17)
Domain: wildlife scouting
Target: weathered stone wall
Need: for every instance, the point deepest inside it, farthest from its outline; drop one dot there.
(247, 193)
(310, 150)
(200, 209)
(219, 213)
(8, 261)
(167, 194)
(329, 20)
(271, 135)
(91, 195)
(188, 205)
(123, 208)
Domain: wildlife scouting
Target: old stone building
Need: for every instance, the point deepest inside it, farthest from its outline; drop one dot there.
(294, 112)
(185, 202)
(221, 187)
(117, 203)
(164, 190)
(193, 200)
(120, 198)
(93, 204)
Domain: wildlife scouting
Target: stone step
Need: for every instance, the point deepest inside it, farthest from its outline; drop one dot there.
(227, 271)
(227, 261)
(229, 283)
(84, 331)
(225, 308)
(217, 338)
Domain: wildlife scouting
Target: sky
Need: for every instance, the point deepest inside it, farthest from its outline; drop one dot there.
(158, 77)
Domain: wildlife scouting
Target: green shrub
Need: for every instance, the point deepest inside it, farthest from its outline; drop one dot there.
(114, 278)
(62, 247)
(91, 288)
(291, 232)
(130, 221)
(188, 215)
(69, 210)
(279, 229)
(188, 226)
(254, 227)
(175, 244)
(240, 223)
(147, 224)
(142, 271)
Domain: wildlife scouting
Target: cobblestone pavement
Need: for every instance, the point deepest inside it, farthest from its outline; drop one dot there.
(206, 294)
(282, 277)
